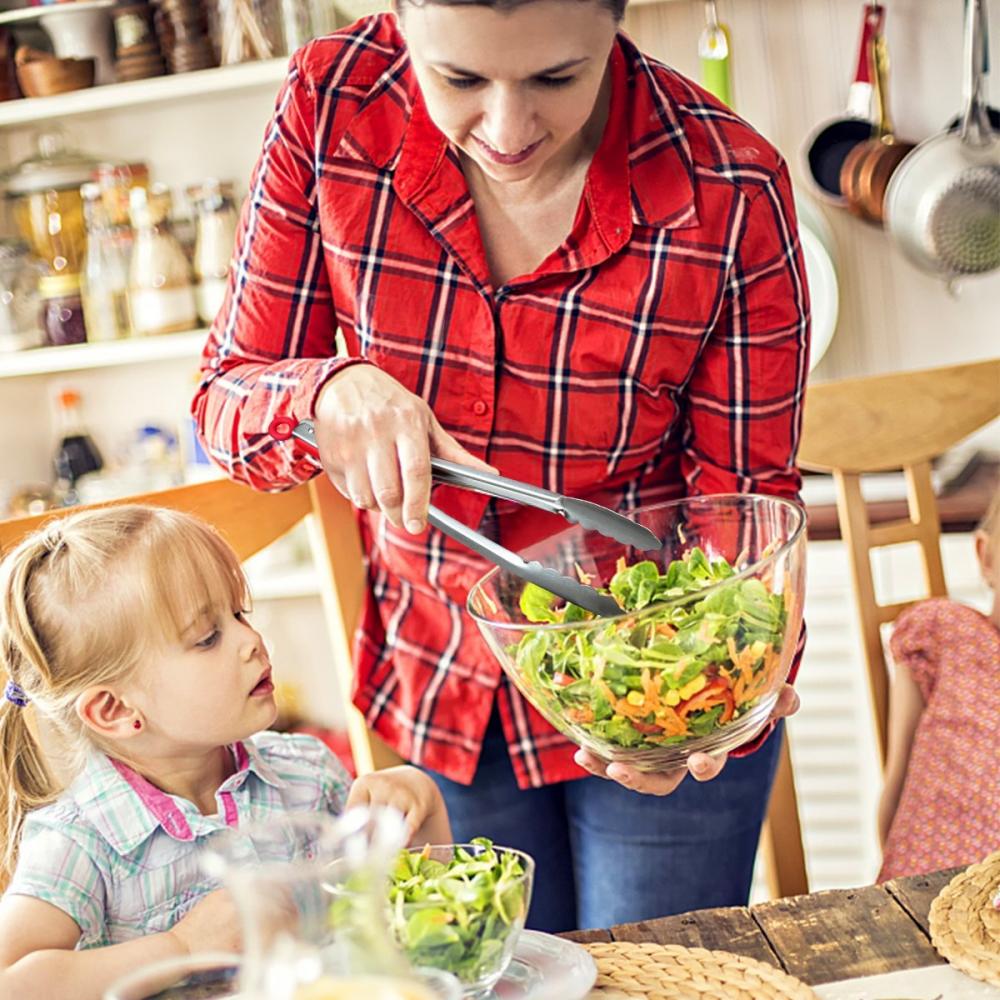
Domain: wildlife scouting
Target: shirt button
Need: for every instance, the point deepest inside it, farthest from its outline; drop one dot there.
(479, 408)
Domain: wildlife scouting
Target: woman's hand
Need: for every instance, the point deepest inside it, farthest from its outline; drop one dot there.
(701, 766)
(412, 793)
(375, 441)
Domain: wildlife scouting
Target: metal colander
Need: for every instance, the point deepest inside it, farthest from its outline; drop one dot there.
(964, 223)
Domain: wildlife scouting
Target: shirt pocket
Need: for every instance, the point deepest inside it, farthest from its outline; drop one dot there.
(151, 895)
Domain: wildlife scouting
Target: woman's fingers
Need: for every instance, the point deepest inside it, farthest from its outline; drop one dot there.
(387, 484)
(787, 704)
(662, 783)
(705, 767)
(415, 471)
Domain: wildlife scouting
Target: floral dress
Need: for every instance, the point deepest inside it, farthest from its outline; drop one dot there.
(949, 809)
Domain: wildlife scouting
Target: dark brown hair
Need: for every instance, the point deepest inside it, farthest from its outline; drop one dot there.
(617, 7)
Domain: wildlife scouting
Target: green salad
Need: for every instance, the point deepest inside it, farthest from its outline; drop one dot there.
(457, 915)
(663, 675)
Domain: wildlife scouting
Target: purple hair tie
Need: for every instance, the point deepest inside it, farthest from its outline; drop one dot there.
(14, 693)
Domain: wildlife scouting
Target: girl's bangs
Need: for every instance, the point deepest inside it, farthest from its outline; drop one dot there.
(191, 572)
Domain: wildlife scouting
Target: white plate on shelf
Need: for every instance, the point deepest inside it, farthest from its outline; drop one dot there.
(545, 967)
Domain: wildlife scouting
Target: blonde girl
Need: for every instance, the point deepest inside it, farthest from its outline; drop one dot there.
(124, 632)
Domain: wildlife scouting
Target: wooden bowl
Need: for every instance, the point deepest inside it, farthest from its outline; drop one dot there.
(41, 77)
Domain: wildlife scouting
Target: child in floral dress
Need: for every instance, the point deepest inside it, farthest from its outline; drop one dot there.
(940, 805)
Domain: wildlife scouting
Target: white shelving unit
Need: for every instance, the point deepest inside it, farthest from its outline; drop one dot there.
(81, 357)
(158, 90)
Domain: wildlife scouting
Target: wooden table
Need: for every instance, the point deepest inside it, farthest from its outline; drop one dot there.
(819, 938)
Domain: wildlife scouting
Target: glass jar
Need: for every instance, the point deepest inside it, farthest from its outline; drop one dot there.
(62, 310)
(19, 274)
(287, 876)
(160, 293)
(48, 209)
(213, 248)
(104, 281)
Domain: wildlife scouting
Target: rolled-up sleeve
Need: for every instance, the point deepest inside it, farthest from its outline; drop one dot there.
(272, 346)
(745, 401)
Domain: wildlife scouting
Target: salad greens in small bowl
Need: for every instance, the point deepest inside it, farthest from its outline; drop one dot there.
(460, 908)
(705, 640)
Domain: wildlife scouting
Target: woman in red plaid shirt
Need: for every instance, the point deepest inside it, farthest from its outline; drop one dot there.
(552, 255)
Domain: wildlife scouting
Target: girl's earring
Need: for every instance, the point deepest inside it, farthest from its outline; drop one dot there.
(137, 724)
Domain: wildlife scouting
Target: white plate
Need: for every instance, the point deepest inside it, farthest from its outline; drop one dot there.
(545, 967)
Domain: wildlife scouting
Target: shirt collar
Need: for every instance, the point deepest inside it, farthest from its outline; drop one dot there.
(127, 809)
(643, 170)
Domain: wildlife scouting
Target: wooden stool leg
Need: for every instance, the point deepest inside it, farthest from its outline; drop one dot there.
(781, 838)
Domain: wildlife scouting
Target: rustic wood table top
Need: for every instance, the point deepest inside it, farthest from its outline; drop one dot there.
(819, 938)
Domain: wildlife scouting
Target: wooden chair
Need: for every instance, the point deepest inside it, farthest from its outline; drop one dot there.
(249, 521)
(856, 426)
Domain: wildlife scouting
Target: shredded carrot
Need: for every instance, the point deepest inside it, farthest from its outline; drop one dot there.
(621, 565)
(584, 576)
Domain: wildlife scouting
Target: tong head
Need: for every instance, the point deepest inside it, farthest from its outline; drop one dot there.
(608, 523)
(570, 590)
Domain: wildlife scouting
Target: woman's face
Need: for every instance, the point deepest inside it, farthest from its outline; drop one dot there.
(511, 89)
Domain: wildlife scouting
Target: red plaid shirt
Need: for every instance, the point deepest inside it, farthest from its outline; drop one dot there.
(662, 349)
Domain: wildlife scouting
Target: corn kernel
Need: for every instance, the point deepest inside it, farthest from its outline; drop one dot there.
(635, 698)
(672, 697)
(693, 687)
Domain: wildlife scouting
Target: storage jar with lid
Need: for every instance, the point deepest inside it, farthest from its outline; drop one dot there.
(48, 210)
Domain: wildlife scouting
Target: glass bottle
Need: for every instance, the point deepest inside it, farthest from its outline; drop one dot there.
(213, 248)
(161, 295)
(19, 321)
(76, 454)
(104, 281)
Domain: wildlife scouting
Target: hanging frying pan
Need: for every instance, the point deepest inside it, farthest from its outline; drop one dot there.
(829, 143)
(943, 203)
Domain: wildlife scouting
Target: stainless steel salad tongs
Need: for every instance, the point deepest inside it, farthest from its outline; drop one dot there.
(588, 515)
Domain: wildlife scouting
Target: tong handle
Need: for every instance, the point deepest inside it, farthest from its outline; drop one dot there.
(562, 586)
(453, 474)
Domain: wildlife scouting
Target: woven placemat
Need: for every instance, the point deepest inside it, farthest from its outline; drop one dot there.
(965, 926)
(627, 971)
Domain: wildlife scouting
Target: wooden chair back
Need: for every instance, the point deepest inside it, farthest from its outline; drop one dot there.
(249, 521)
(851, 427)
(890, 422)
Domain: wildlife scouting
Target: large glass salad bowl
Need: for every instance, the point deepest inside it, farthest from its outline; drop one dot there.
(706, 637)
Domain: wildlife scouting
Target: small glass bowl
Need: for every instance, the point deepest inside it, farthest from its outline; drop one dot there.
(614, 685)
(474, 949)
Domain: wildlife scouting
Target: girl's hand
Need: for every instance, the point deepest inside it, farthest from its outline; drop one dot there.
(375, 441)
(412, 793)
(212, 924)
(701, 766)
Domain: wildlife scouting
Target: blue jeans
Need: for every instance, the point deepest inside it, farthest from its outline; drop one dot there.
(605, 855)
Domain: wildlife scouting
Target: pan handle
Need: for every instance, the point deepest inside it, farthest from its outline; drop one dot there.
(976, 129)
(859, 97)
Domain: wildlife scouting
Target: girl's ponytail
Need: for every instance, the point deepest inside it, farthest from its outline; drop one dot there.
(26, 781)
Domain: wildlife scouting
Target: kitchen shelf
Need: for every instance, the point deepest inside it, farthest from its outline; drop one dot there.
(177, 87)
(80, 357)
